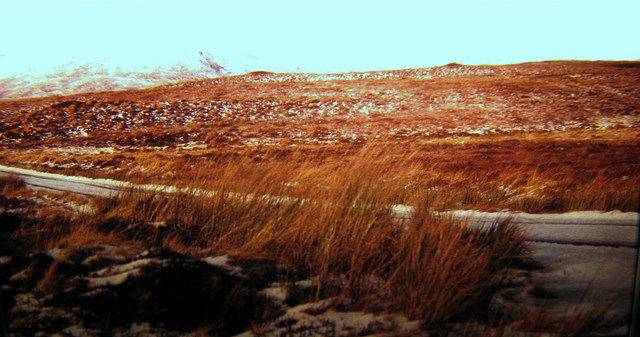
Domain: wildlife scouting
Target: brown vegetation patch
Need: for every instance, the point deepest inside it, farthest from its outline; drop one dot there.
(300, 174)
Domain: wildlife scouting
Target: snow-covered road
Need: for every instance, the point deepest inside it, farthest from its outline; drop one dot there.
(590, 256)
(593, 228)
(59, 182)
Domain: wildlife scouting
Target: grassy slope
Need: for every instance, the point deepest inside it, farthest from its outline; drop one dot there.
(555, 136)
(389, 140)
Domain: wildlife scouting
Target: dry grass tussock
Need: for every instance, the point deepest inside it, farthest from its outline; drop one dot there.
(330, 221)
(431, 269)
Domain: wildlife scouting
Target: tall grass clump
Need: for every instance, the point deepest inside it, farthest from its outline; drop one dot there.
(446, 271)
(332, 223)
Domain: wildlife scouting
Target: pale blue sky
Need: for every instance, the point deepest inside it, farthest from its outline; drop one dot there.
(317, 36)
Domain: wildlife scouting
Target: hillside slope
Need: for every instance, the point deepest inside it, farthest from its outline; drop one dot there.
(565, 130)
(305, 108)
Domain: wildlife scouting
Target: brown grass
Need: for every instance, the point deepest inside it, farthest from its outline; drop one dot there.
(591, 164)
(544, 172)
(338, 226)
(329, 220)
(312, 191)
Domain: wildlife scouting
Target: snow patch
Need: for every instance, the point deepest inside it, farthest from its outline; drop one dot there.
(317, 319)
(223, 263)
(277, 293)
(584, 277)
(119, 274)
(78, 331)
(57, 254)
(106, 251)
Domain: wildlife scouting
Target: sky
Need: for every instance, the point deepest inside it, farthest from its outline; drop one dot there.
(324, 36)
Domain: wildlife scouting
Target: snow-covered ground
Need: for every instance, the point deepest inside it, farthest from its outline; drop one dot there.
(589, 256)
(587, 277)
(102, 74)
(589, 259)
(75, 78)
